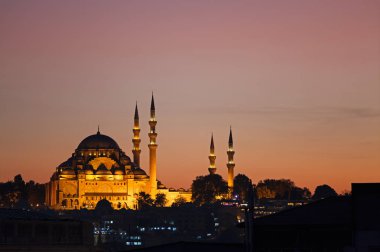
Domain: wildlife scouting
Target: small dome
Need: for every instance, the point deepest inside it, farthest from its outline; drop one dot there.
(98, 141)
(88, 172)
(161, 186)
(124, 159)
(103, 172)
(139, 171)
(119, 171)
(68, 171)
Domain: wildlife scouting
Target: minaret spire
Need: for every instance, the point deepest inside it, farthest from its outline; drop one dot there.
(136, 138)
(152, 149)
(230, 164)
(212, 147)
(152, 108)
(230, 140)
(136, 112)
(212, 156)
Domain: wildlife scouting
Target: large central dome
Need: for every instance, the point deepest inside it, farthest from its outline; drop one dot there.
(98, 141)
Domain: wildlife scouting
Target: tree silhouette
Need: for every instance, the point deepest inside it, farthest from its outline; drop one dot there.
(179, 201)
(241, 184)
(323, 191)
(103, 207)
(283, 189)
(264, 192)
(18, 194)
(160, 200)
(206, 189)
(144, 200)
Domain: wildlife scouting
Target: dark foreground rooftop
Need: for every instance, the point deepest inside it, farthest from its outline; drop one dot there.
(184, 246)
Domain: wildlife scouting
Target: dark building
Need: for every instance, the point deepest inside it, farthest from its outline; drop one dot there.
(366, 216)
(154, 226)
(342, 223)
(22, 230)
(318, 226)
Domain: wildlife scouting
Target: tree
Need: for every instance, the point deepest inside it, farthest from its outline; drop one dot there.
(103, 207)
(35, 193)
(241, 184)
(283, 189)
(323, 191)
(206, 189)
(263, 192)
(19, 186)
(274, 188)
(298, 193)
(8, 197)
(179, 201)
(144, 200)
(19, 194)
(160, 200)
(346, 193)
(18, 180)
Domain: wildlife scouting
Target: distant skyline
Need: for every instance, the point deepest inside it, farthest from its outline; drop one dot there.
(298, 81)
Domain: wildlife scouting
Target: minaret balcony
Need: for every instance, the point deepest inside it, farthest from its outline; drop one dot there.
(152, 145)
(152, 135)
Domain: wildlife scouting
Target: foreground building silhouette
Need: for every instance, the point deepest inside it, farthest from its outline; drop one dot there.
(99, 169)
(22, 230)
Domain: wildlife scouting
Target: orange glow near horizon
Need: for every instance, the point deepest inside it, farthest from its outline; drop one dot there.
(299, 81)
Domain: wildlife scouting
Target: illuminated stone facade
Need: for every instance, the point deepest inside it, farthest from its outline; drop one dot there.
(99, 169)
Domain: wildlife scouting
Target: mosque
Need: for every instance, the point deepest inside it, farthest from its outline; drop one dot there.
(99, 169)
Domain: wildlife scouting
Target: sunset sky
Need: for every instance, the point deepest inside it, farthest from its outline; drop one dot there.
(299, 81)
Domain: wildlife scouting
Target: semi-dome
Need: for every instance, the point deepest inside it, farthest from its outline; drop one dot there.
(98, 141)
(102, 170)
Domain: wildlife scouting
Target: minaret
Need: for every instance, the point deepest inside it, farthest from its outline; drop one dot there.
(212, 157)
(152, 150)
(136, 139)
(230, 164)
